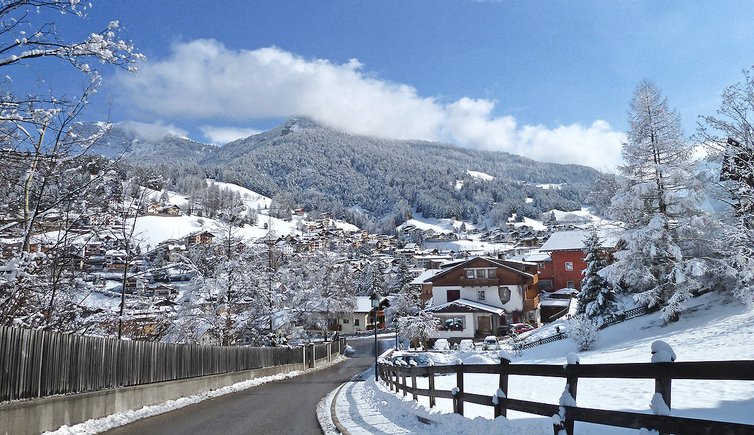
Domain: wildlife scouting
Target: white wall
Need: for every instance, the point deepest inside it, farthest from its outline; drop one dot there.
(516, 303)
(467, 332)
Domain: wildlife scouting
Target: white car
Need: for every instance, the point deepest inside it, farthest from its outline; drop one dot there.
(490, 343)
(441, 344)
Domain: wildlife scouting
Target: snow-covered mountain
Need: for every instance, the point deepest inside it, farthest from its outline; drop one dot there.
(142, 146)
(371, 182)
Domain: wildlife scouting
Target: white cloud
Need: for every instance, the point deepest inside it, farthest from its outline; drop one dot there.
(204, 80)
(152, 131)
(223, 135)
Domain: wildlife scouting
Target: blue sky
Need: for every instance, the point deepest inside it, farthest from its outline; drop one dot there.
(547, 79)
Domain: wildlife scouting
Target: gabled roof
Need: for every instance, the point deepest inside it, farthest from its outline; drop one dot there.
(424, 276)
(364, 304)
(574, 240)
(493, 261)
(465, 306)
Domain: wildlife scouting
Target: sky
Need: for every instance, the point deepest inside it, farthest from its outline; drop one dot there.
(550, 80)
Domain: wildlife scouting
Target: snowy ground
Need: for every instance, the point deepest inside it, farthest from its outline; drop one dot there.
(711, 330)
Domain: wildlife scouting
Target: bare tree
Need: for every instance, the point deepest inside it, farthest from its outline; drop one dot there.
(44, 170)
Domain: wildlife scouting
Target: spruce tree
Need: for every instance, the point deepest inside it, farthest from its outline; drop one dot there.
(597, 297)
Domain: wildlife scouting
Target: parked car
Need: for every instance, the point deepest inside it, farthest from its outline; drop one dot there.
(466, 345)
(490, 343)
(519, 328)
(441, 344)
(411, 360)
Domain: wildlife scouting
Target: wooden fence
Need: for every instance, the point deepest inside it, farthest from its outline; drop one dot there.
(662, 373)
(38, 363)
(615, 319)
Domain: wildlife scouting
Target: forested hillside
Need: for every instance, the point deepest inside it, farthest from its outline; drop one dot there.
(376, 183)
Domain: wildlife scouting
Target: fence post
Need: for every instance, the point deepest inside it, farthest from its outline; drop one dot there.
(431, 376)
(403, 383)
(413, 385)
(663, 356)
(500, 408)
(572, 381)
(458, 391)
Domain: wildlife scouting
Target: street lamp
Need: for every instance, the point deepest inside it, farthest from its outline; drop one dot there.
(375, 304)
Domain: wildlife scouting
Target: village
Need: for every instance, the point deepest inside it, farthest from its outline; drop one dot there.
(477, 282)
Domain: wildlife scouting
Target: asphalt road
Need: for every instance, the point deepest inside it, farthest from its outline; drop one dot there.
(282, 407)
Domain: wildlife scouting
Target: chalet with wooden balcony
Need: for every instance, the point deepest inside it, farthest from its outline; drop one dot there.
(481, 296)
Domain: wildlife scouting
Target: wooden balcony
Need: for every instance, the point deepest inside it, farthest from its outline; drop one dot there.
(531, 304)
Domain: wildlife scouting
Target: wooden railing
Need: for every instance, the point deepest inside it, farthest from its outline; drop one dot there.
(37, 363)
(662, 373)
(615, 319)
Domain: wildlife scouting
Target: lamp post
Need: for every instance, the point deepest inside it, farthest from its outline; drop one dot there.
(375, 304)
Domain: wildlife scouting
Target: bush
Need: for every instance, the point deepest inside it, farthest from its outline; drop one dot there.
(583, 331)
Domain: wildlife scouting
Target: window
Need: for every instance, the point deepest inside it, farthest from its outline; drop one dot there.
(481, 295)
(355, 322)
(451, 323)
(540, 266)
(569, 266)
(504, 293)
(569, 284)
(480, 273)
(453, 295)
(345, 321)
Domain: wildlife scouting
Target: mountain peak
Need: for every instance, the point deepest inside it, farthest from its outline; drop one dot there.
(299, 123)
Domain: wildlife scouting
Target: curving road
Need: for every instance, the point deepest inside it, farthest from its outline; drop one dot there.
(287, 406)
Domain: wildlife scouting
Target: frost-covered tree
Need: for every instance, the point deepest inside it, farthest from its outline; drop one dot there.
(319, 288)
(729, 139)
(419, 328)
(597, 296)
(45, 173)
(402, 276)
(664, 240)
(371, 279)
(584, 331)
(228, 289)
(405, 303)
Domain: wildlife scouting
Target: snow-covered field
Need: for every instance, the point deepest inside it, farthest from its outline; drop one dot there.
(710, 330)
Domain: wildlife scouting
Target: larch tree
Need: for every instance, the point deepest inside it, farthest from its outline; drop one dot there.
(662, 259)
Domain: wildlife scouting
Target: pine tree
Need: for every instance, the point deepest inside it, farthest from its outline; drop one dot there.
(664, 240)
(597, 297)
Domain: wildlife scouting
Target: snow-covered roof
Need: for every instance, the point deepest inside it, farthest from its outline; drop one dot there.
(466, 303)
(574, 239)
(537, 256)
(364, 304)
(427, 274)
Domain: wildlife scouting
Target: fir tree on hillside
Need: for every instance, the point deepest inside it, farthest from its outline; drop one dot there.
(597, 297)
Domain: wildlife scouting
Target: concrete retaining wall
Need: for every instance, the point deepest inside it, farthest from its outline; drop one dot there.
(40, 415)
